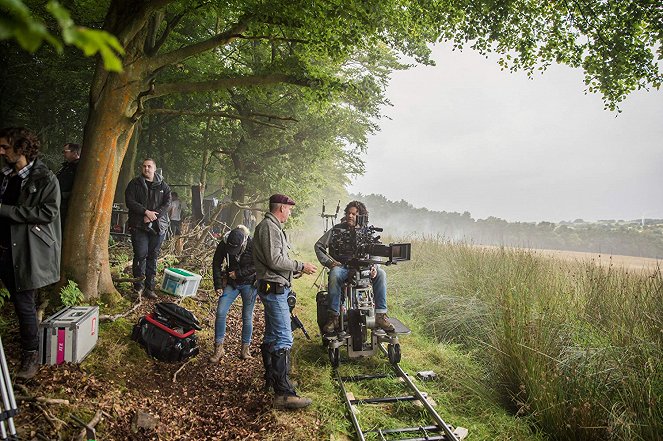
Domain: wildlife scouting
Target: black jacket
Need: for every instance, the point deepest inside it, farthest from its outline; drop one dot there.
(35, 229)
(244, 267)
(141, 195)
(66, 176)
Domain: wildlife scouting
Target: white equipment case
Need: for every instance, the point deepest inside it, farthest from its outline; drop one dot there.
(180, 283)
(69, 335)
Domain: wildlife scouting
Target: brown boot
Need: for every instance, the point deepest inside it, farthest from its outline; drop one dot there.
(381, 321)
(332, 323)
(245, 352)
(29, 365)
(291, 402)
(219, 352)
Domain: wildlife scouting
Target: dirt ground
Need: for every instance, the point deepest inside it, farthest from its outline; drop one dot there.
(206, 402)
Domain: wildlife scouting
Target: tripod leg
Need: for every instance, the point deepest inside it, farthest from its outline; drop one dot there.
(8, 400)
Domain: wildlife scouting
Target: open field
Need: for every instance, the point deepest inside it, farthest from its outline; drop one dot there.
(627, 263)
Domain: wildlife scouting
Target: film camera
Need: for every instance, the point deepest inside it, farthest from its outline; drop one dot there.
(361, 246)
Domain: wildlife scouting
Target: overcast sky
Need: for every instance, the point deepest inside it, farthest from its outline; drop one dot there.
(466, 136)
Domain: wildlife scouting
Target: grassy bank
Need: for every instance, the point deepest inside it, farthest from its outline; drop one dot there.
(575, 348)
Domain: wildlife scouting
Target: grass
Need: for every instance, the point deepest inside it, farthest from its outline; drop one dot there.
(573, 347)
(460, 390)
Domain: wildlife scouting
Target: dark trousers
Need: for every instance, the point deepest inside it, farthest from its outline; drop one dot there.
(24, 304)
(146, 246)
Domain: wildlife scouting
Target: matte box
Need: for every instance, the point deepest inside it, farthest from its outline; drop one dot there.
(179, 282)
(69, 335)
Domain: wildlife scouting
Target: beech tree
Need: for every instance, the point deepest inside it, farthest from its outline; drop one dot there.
(615, 43)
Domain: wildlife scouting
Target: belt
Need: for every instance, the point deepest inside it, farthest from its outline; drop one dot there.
(267, 287)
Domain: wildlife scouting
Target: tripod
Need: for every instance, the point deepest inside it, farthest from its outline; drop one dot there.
(9, 408)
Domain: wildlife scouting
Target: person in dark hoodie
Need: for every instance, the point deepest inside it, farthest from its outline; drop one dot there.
(234, 274)
(30, 235)
(147, 198)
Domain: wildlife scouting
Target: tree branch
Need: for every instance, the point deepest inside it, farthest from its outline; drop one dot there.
(225, 83)
(194, 49)
(221, 115)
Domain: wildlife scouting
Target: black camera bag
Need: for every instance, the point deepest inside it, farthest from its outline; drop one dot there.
(162, 342)
(174, 316)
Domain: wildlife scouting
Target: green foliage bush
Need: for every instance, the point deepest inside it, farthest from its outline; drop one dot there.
(574, 346)
(71, 295)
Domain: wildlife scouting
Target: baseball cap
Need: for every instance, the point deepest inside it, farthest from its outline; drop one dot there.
(234, 241)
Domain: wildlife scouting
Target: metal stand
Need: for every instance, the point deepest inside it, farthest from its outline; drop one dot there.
(9, 408)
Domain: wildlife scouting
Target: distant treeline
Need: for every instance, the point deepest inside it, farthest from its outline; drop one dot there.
(629, 238)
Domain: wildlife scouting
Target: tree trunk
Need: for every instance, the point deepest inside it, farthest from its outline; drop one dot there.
(235, 213)
(128, 170)
(106, 137)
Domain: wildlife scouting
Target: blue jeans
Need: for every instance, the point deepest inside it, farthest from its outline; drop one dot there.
(338, 276)
(225, 300)
(278, 334)
(146, 246)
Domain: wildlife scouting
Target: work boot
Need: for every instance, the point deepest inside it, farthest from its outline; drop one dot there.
(291, 402)
(150, 294)
(219, 352)
(29, 365)
(245, 352)
(332, 323)
(267, 363)
(381, 321)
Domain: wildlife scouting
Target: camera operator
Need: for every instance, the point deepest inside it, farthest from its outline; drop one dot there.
(336, 260)
(274, 270)
(236, 250)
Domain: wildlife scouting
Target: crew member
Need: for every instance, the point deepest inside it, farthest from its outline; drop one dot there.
(30, 234)
(274, 271)
(66, 175)
(238, 277)
(147, 198)
(336, 261)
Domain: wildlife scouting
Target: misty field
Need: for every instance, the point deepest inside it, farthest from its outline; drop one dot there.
(575, 347)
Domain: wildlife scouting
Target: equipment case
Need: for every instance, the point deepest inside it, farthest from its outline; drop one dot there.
(69, 335)
(179, 282)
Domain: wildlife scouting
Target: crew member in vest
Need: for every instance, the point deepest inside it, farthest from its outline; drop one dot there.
(336, 261)
(147, 198)
(30, 234)
(235, 252)
(274, 270)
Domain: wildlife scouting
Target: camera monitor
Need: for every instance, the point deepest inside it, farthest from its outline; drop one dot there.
(400, 252)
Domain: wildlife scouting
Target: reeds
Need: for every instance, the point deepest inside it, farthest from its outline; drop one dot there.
(575, 347)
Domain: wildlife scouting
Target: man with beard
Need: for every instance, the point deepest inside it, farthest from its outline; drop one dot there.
(30, 234)
(147, 198)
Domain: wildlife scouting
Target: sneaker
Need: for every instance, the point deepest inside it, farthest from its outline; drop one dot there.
(381, 321)
(29, 365)
(291, 402)
(149, 294)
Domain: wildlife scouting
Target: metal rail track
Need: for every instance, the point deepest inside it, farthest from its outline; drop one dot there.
(439, 430)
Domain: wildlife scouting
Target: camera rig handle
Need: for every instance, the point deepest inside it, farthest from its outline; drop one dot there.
(327, 217)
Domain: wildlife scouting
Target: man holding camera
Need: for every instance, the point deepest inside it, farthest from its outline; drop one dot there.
(147, 197)
(236, 251)
(336, 260)
(274, 271)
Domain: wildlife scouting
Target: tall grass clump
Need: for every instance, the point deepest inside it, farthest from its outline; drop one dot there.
(575, 347)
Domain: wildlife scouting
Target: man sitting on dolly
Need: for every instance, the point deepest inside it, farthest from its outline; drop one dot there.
(337, 261)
